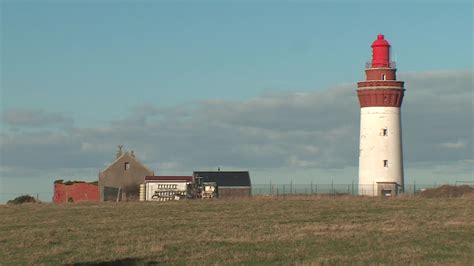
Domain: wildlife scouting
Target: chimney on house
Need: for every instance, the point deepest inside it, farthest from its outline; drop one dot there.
(119, 151)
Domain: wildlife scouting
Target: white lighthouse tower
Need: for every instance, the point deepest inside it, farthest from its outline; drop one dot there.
(380, 98)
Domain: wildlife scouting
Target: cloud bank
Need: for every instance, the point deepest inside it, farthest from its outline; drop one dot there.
(293, 131)
(34, 118)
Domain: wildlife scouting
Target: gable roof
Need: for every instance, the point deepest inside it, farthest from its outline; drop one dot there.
(131, 158)
(225, 178)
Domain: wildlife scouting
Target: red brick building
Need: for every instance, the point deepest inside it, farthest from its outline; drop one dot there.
(75, 192)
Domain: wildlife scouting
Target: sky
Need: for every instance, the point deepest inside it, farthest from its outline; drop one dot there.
(251, 85)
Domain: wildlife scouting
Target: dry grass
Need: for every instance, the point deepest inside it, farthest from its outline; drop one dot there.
(447, 191)
(261, 230)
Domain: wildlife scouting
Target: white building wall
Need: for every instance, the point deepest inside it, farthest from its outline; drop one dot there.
(151, 187)
(375, 148)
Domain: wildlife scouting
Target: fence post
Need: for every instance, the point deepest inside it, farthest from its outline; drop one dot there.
(414, 187)
(271, 188)
(291, 186)
(311, 186)
(277, 191)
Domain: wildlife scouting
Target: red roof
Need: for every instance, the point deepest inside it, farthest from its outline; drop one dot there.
(169, 178)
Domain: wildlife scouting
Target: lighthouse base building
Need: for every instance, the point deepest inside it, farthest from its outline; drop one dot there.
(380, 98)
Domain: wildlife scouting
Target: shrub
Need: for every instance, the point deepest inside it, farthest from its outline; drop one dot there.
(447, 191)
(70, 182)
(22, 199)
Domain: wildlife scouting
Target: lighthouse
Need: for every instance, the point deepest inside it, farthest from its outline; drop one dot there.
(380, 148)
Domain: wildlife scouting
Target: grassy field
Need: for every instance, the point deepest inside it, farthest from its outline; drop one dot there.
(291, 230)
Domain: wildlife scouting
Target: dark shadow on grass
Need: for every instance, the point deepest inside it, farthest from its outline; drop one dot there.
(119, 262)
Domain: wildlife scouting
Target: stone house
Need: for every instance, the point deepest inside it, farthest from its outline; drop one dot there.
(122, 178)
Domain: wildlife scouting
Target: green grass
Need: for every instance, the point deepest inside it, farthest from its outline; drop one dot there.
(256, 231)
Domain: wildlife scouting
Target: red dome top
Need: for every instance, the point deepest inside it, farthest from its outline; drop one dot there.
(380, 52)
(380, 41)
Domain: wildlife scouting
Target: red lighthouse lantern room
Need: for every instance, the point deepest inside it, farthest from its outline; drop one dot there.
(380, 52)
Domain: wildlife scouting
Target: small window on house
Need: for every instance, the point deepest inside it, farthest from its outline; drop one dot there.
(385, 163)
(385, 132)
(126, 166)
(384, 77)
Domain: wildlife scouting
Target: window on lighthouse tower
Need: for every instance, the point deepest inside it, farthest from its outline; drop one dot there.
(385, 163)
(384, 77)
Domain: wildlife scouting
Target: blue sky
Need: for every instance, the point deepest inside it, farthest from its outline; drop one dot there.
(94, 61)
(266, 87)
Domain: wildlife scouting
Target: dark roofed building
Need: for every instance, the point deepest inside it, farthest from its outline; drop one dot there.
(229, 183)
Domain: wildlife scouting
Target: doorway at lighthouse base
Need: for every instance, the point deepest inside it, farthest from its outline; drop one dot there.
(381, 189)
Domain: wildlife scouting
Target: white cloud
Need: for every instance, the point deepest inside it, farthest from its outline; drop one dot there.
(454, 145)
(297, 132)
(34, 118)
(164, 166)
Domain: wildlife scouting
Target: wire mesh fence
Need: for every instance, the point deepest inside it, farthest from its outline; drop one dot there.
(344, 189)
(294, 189)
